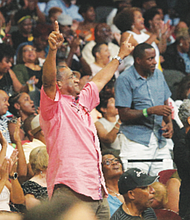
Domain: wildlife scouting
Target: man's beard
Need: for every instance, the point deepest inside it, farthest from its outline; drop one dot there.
(149, 73)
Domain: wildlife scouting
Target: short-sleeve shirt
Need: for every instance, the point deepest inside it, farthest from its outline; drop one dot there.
(148, 214)
(72, 142)
(136, 92)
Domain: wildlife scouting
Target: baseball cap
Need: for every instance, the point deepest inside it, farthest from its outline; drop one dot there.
(35, 125)
(134, 178)
(64, 19)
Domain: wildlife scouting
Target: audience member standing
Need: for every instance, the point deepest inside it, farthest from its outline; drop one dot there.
(69, 131)
(141, 95)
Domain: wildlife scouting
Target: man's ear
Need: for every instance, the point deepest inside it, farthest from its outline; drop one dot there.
(103, 110)
(131, 194)
(188, 120)
(59, 84)
(138, 60)
(30, 135)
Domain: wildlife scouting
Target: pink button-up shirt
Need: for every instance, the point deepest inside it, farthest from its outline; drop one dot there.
(72, 142)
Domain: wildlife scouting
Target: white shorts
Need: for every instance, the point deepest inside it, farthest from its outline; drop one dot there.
(133, 150)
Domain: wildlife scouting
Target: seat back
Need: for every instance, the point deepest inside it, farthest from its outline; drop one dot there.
(164, 214)
(165, 175)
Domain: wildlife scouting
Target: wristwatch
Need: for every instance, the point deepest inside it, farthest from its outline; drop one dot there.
(118, 58)
(14, 176)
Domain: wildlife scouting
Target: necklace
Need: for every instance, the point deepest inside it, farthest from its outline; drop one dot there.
(128, 211)
(117, 194)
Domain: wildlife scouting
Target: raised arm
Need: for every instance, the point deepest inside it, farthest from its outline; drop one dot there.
(105, 74)
(49, 68)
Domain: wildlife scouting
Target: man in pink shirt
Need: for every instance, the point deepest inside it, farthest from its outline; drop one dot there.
(74, 167)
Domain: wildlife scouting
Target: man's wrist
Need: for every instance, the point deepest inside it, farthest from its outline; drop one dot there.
(118, 58)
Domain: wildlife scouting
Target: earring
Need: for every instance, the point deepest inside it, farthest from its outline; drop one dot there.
(180, 44)
(132, 26)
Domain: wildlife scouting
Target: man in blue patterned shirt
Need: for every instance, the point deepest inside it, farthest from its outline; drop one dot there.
(3, 119)
(141, 96)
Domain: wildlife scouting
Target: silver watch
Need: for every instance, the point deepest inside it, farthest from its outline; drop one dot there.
(118, 58)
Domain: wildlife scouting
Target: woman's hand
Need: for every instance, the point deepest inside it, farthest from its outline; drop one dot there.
(3, 141)
(4, 169)
(13, 159)
(17, 131)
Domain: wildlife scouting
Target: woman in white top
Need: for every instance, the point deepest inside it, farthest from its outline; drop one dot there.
(131, 21)
(10, 188)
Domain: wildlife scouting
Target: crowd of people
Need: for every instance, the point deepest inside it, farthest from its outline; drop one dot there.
(92, 110)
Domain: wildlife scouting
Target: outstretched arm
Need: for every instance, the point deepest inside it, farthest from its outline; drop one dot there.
(49, 68)
(105, 74)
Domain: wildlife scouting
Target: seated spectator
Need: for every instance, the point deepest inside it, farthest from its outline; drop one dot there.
(4, 104)
(31, 8)
(35, 135)
(24, 32)
(10, 189)
(8, 80)
(173, 191)
(130, 21)
(20, 105)
(177, 54)
(118, 6)
(66, 6)
(181, 158)
(135, 186)
(112, 168)
(183, 89)
(35, 189)
(28, 71)
(102, 34)
(153, 21)
(85, 28)
(27, 65)
(102, 55)
(108, 126)
(53, 14)
(160, 196)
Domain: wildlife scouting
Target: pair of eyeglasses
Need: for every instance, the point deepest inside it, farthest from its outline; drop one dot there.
(108, 162)
(29, 49)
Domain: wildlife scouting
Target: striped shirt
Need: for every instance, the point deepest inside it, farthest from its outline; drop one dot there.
(4, 128)
(148, 214)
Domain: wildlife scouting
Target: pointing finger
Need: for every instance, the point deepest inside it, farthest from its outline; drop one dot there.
(56, 26)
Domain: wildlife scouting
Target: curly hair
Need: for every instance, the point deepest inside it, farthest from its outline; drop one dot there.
(125, 19)
(184, 112)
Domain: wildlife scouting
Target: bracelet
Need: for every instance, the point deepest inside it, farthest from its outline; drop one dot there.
(145, 113)
(116, 127)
